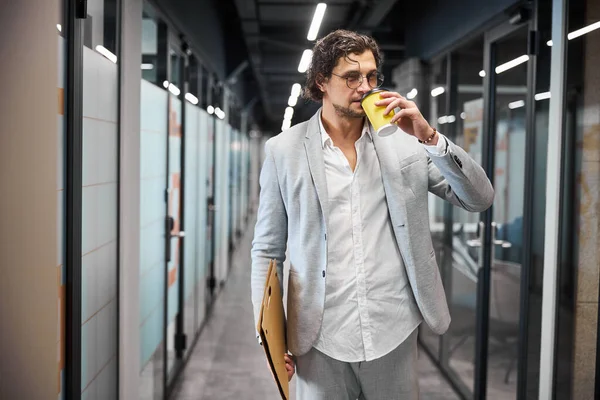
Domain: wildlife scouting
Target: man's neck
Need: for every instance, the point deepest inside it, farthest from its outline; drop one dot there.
(339, 128)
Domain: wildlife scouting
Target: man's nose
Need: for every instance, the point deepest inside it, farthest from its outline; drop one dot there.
(364, 86)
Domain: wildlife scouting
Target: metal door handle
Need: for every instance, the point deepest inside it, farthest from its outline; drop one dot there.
(502, 243)
(474, 243)
(498, 242)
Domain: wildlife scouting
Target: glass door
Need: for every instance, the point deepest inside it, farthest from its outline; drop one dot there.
(461, 119)
(99, 190)
(154, 100)
(174, 235)
(211, 210)
(482, 98)
(499, 245)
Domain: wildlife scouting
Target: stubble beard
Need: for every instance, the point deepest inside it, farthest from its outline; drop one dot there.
(347, 112)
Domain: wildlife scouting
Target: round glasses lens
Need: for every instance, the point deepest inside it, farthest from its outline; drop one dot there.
(375, 80)
(353, 81)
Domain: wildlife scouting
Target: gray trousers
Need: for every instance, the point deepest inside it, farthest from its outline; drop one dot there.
(391, 377)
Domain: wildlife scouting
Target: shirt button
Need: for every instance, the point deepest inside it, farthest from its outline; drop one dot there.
(323, 273)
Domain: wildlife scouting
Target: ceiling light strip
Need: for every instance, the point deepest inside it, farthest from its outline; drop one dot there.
(511, 64)
(305, 61)
(315, 25)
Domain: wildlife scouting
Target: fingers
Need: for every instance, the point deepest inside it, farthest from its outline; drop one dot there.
(288, 360)
(393, 100)
(385, 95)
(405, 113)
(392, 105)
(290, 366)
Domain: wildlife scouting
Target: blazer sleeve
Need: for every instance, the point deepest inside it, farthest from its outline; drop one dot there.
(270, 232)
(456, 177)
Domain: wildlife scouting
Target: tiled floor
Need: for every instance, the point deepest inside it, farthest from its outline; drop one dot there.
(228, 364)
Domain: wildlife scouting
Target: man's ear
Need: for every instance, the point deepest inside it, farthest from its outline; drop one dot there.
(321, 82)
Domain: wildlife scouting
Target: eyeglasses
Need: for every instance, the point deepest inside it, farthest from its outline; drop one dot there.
(354, 79)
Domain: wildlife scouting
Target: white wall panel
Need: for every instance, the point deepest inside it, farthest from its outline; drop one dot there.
(89, 354)
(153, 163)
(202, 242)
(191, 200)
(153, 255)
(107, 381)
(152, 201)
(100, 217)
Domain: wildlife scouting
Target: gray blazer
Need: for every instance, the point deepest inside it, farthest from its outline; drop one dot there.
(294, 211)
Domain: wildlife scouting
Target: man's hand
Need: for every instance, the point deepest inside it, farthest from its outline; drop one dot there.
(409, 119)
(290, 366)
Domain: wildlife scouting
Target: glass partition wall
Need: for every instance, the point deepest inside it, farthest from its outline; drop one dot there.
(487, 95)
(100, 203)
(186, 141)
(153, 175)
(185, 173)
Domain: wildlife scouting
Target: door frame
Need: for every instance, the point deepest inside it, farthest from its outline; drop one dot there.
(170, 377)
(491, 38)
(73, 230)
(73, 16)
(211, 204)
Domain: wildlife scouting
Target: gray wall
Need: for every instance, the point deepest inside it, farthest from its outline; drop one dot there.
(129, 225)
(443, 22)
(28, 178)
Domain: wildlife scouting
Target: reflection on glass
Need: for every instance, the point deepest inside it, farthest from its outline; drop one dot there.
(149, 64)
(463, 249)
(153, 158)
(174, 212)
(176, 62)
(537, 217)
(507, 228)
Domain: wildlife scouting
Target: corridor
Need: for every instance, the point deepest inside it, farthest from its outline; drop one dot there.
(227, 363)
(134, 135)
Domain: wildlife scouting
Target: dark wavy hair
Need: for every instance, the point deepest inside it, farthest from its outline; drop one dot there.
(328, 51)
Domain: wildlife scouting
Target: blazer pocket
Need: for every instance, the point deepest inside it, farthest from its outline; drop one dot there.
(410, 160)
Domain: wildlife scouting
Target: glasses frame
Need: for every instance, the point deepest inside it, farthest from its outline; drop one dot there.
(380, 78)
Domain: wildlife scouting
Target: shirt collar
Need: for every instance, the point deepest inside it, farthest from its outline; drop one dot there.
(325, 138)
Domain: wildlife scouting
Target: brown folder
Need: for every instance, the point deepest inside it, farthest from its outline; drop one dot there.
(271, 328)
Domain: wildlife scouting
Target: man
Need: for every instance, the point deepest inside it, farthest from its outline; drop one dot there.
(352, 209)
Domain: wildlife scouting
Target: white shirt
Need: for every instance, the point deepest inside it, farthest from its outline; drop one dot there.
(369, 305)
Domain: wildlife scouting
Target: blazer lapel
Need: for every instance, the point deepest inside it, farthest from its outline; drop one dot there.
(391, 150)
(314, 153)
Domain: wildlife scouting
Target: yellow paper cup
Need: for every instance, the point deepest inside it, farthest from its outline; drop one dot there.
(380, 122)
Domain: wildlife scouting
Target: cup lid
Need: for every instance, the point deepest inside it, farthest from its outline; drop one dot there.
(370, 92)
